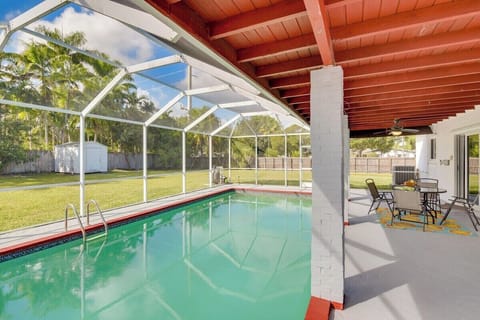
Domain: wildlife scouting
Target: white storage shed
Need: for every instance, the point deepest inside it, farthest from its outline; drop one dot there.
(67, 157)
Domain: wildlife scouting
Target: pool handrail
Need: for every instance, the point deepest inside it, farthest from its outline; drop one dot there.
(82, 228)
(92, 201)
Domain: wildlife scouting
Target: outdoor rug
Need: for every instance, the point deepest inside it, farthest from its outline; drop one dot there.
(451, 225)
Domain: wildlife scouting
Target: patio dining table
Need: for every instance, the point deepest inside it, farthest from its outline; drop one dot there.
(428, 193)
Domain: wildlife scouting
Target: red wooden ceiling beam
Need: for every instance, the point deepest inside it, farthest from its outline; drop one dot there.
(257, 18)
(441, 40)
(382, 126)
(288, 82)
(298, 100)
(412, 104)
(286, 67)
(441, 72)
(408, 86)
(390, 114)
(422, 62)
(380, 112)
(298, 92)
(384, 123)
(385, 116)
(317, 14)
(414, 120)
(398, 103)
(275, 48)
(400, 21)
(339, 3)
(455, 89)
(302, 106)
(387, 123)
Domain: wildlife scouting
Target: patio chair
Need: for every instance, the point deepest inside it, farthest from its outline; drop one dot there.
(406, 201)
(378, 196)
(468, 205)
(433, 199)
(217, 176)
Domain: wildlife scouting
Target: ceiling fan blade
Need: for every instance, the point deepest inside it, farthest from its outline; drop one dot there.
(410, 130)
(381, 132)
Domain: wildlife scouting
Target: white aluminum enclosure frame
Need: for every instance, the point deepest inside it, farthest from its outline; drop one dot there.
(148, 23)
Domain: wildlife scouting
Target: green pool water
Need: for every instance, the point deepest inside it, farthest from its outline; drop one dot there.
(233, 256)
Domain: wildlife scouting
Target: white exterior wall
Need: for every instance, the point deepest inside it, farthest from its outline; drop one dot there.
(444, 132)
(422, 154)
(328, 198)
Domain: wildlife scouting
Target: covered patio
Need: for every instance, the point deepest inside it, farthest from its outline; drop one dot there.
(404, 274)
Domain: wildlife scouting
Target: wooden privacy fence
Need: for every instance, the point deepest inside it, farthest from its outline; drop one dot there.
(43, 161)
(378, 165)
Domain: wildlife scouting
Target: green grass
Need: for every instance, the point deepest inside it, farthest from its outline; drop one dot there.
(21, 208)
(382, 180)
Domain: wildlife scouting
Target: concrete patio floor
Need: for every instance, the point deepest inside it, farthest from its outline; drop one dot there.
(407, 274)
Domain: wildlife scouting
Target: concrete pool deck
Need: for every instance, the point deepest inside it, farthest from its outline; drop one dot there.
(407, 274)
(389, 273)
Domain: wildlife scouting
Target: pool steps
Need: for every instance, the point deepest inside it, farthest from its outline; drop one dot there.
(82, 228)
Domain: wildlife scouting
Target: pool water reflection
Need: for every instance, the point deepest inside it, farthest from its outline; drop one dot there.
(233, 256)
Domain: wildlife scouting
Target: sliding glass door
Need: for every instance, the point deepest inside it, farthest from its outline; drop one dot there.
(472, 165)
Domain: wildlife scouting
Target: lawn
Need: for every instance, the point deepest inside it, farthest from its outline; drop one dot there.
(21, 208)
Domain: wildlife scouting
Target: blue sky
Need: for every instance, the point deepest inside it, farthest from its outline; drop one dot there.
(10, 8)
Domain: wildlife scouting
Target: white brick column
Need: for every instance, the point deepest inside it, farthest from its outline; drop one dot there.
(328, 190)
(346, 169)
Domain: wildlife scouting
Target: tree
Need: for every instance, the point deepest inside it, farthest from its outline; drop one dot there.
(10, 148)
(381, 144)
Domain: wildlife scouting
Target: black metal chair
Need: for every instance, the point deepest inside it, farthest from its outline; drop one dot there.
(432, 200)
(378, 196)
(468, 204)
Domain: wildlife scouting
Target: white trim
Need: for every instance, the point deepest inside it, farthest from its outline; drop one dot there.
(65, 45)
(220, 87)
(226, 124)
(40, 10)
(267, 104)
(164, 109)
(99, 97)
(38, 107)
(154, 64)
(237, 104)
(200, 119)
(256, 113)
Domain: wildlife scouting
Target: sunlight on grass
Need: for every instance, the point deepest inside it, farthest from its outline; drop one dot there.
(21, 208)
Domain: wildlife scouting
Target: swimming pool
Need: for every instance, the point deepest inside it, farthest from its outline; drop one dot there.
(237, 255)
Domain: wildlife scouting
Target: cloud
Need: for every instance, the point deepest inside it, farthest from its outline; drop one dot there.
(102, 33)
(10, 15)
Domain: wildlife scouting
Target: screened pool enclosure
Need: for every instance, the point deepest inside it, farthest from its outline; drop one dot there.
(174, 119)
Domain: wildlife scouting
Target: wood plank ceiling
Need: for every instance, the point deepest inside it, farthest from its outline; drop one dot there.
(418, 60)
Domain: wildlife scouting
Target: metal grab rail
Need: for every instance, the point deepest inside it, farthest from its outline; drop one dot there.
(82, 228)
(92, 201)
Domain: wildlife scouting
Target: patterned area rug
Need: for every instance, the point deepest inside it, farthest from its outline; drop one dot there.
(450, 225)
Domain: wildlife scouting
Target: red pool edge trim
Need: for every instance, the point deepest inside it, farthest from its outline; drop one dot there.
(77, 232)
(319, 309)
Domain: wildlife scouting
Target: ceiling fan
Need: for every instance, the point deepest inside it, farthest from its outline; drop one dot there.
(397, 129)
